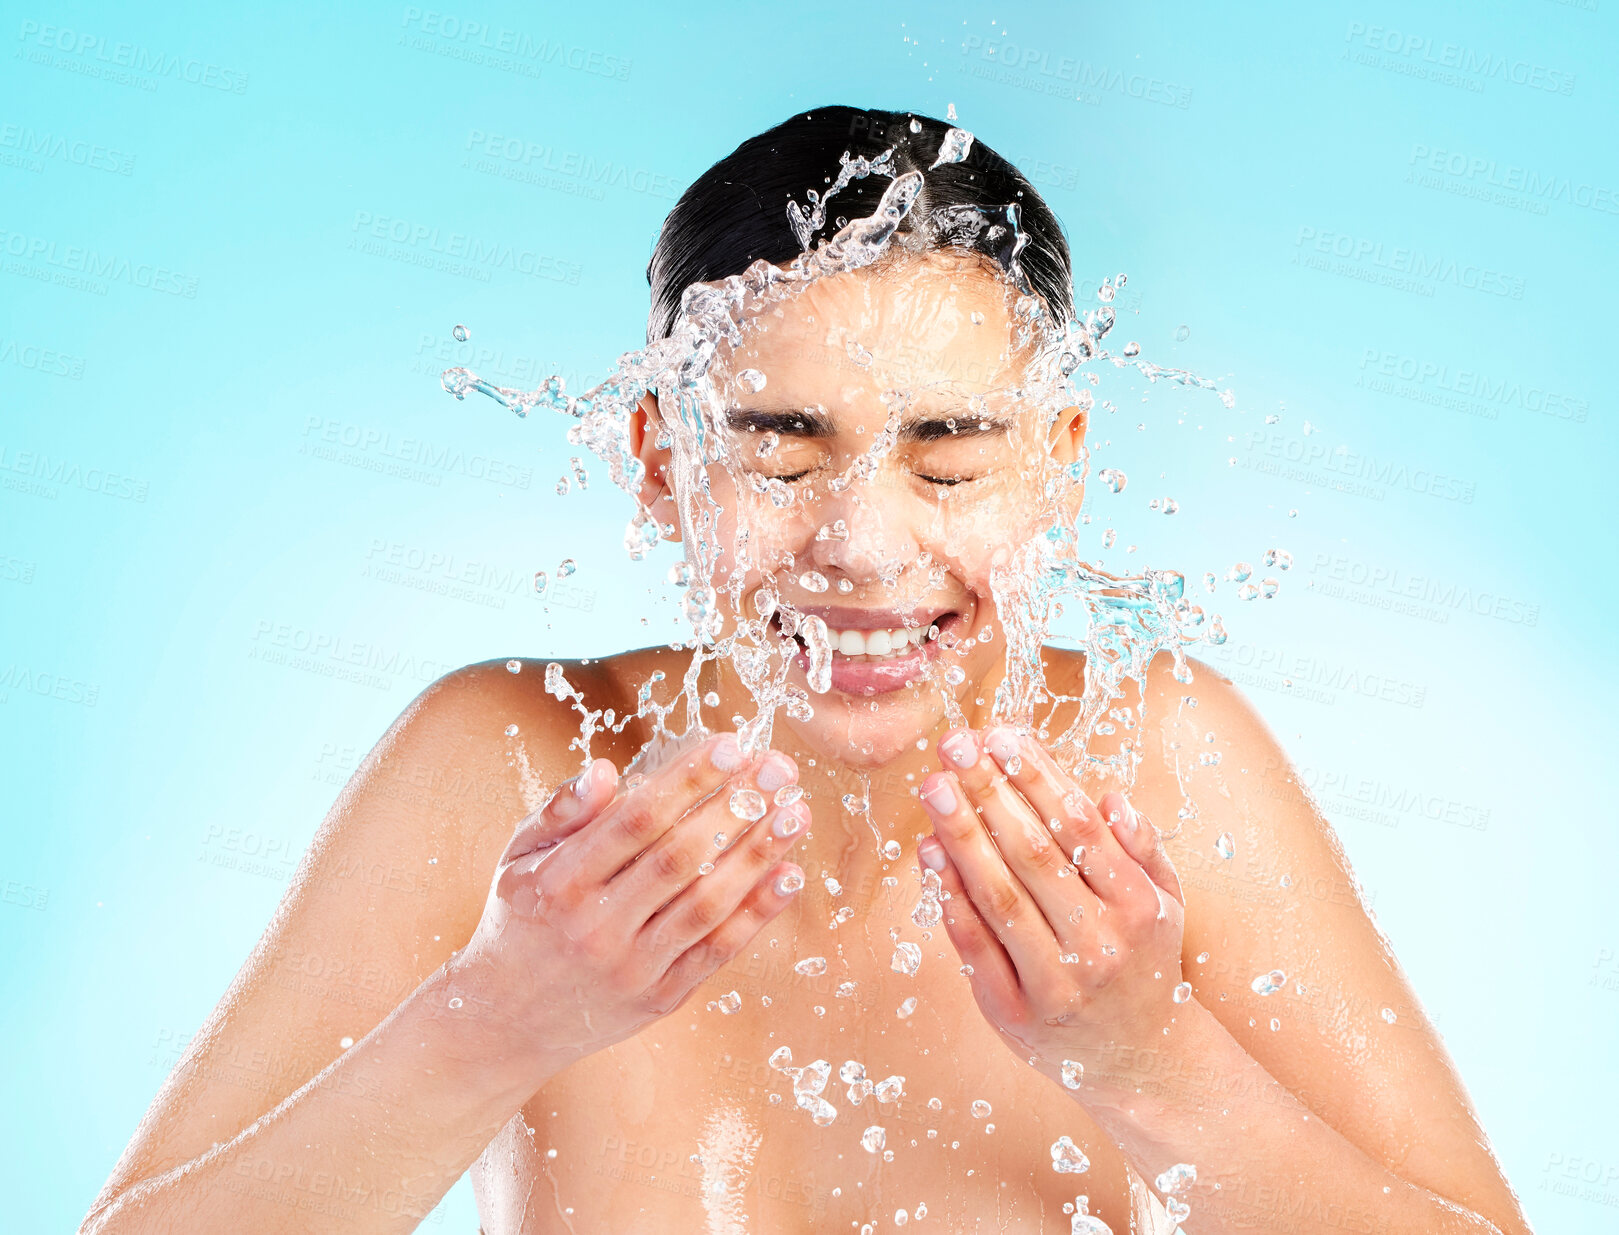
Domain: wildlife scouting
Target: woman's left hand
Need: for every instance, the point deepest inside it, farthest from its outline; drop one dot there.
(1071, 927)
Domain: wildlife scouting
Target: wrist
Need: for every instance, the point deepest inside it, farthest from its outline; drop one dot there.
(1167, 1062)
(466, 1008)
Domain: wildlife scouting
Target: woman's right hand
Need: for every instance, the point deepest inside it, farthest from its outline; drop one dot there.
(601, 918)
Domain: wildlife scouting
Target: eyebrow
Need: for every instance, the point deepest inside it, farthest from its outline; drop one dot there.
(810, 422)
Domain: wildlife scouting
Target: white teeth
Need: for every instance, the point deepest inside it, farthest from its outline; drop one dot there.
(876, 642)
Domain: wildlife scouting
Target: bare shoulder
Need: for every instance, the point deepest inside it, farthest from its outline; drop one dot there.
(392, 884)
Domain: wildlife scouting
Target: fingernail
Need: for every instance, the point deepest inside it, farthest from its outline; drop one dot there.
(787, 823)
(776, 772)
(789, 883)
(727, 753)
(583, 782)
(1002, 743)
(932, 854)
(1127, 821)
(938, 797)
(960, 748)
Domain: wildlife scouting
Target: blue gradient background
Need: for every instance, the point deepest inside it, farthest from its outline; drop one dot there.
(127, 910)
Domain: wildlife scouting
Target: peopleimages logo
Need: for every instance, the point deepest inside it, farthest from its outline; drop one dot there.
(1413, 267)
(1438, 58)
(131, 56)
(504, 41)
(78, 260)
(464, 247)
(1480, 170)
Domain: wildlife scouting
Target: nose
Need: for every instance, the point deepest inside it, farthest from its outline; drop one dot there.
(881, 541)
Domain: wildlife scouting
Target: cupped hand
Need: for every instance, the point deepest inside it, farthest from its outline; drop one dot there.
(1068, 912)
(610, 906)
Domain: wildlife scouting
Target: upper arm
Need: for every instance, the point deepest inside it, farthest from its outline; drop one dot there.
(1351, 1041)
(394, 881)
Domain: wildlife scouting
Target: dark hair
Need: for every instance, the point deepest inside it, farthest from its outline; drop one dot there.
(736, 212)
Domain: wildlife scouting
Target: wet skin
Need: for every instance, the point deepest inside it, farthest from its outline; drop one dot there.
(398, 884)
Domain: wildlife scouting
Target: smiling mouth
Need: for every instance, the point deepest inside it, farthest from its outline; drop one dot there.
(874, 652)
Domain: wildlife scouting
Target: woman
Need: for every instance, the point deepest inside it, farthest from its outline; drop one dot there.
(633, 1027)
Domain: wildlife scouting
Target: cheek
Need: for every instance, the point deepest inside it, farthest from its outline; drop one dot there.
(775, 534)
(975, 532)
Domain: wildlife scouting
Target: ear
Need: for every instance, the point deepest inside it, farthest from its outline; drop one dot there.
(1067, 437)
(657, 490)
(1067, 443)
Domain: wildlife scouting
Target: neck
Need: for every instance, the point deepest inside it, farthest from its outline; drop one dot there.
(859, 809)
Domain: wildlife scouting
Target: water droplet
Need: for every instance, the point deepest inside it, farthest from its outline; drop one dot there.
(907, 959)
(511, 731)
(1225, 846)
(461, 333)
(1178, 1210)
(729, 1003)
(707, 868)
(1182, 333)
(567, 568)
(767, 445)
(928, 912)
(1177, 1178)
(1239, 573)
(345, 1043)
(455, 1002)
(748, 804)
(751, 380)
(1073, 1072)
(1132, 349)
(514, 666)
(1113, 478)
(1269, 983)
(812, 581)
(811, 966)
(873, 1138)
(892, 850)
(1067, 1158)
(540, 580)
(781, 1058)
(955, 675)
(1389, 1016)
(981, 1109)
(1182, 992)
(1279, 558)
(906, 1008)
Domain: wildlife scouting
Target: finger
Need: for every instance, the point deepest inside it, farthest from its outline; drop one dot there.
(1024, 838)
(993, 975)
(1144, 845)
(575, 803)
(707, 902)
(1000, 898)
(642, 816)
(670, 865)
(769, 896)
(1100, 857)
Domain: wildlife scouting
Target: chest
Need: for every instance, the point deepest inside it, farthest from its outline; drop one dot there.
(840, 1090)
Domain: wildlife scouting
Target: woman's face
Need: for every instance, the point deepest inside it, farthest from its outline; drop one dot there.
(894, 415)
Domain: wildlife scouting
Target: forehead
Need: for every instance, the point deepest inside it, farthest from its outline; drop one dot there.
(937, 325)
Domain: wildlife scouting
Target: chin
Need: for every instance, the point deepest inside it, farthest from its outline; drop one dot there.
(865, 738)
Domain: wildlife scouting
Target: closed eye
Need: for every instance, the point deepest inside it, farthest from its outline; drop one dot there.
(943, 480)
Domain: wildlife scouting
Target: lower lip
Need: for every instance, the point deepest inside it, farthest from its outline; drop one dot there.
(879, 676)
